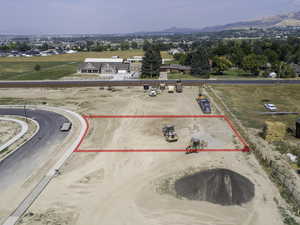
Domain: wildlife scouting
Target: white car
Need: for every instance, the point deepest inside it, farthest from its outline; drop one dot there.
(271, 107)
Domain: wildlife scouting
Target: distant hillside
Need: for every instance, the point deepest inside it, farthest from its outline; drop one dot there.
(286, 20)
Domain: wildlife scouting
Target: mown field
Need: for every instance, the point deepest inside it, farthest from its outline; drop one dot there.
(26, 71)
(56, 66)
(79, 57)
(247, 101)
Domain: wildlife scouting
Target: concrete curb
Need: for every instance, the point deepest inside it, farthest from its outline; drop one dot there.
(36, 131)
(23, 131)
(38, 189)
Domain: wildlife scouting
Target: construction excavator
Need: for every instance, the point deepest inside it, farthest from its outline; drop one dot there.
(196, 145)
(169, 133)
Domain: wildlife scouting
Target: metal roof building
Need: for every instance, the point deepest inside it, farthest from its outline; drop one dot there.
(104, 60)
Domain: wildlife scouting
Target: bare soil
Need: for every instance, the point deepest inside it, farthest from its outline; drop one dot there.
(139, 188)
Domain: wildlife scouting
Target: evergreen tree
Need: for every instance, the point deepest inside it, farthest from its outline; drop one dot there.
(147, 45)
(200, 63)
(151, 62)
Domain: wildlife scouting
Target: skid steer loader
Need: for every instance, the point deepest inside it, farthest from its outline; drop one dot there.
(169, 133)
(196, 145)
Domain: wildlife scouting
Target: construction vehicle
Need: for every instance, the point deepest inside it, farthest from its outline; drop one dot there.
(146, 87)
(178, 86)
(171, 89)
(196, 145)
(162, 86)
(204, 104)
(152, 92)
(169, 133)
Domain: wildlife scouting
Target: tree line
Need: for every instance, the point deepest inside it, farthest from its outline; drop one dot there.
(256, 57)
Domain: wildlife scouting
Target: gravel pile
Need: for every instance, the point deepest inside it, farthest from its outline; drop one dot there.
(218, 186)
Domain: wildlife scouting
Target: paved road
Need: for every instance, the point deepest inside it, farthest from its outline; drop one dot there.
(97, 83)
(32, 155)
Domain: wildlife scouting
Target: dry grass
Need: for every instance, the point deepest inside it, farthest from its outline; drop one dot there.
(247, 101)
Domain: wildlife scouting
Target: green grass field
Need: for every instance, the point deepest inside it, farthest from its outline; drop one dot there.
(79, 57)
(25, 70)
(56, 66)
(228, 74)
(247, 101)
(172, 76)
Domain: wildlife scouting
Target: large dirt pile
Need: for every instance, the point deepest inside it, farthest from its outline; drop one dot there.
(218, 186)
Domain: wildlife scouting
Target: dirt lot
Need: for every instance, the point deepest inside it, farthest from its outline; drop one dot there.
(138, 188)
(146, 133)
(8, 130)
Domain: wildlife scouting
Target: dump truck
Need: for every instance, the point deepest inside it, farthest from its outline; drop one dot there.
(196, 145)
(171, 89)
(169, 133)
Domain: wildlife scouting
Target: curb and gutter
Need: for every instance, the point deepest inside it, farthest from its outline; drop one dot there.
(38, 189)
(24, 129)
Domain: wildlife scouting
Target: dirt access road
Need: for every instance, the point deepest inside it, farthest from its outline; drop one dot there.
(138, 188)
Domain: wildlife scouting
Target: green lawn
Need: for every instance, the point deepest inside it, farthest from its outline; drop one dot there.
(25, 70)
(79, 57)
(228, 74)
(172, 76)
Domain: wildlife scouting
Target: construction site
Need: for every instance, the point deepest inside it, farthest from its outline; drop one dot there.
(149, 160)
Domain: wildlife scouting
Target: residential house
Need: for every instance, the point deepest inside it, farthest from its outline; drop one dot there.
(175, 68)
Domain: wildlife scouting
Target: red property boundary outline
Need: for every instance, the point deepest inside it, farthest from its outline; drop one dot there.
(246, 147)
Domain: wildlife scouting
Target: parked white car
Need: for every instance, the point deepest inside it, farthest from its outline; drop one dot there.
(271, 107)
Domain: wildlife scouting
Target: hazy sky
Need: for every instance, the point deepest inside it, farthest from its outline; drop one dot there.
(121, 16)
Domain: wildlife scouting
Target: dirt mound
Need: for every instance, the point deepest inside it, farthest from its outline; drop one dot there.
(218, 186)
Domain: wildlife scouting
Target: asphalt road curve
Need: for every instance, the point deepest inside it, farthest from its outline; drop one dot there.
(18, 166)
(98, 83)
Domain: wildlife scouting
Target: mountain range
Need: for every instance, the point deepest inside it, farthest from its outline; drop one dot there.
(284, 20)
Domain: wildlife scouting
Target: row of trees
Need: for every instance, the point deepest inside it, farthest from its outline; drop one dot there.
(199, 61)
(19, 46)
(257, 57)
